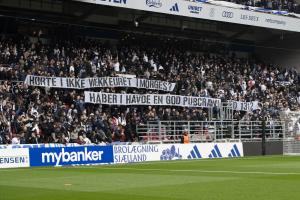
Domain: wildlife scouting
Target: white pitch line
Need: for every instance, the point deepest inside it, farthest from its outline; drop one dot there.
(207, 171)
(163, 170)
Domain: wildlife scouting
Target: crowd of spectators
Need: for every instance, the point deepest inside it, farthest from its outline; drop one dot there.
(281, 5)
(47, 115)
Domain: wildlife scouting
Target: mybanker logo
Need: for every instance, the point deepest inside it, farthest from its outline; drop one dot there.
(154, 3)
(70, 155)
(65, 157)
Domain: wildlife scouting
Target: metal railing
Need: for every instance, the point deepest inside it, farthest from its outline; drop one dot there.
(209, 131)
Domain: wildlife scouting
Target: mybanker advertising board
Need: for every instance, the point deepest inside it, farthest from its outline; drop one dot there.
(206, 11)
(113, 154)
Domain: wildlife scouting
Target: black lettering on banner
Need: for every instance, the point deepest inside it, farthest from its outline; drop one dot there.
(114, 98)
(245, 106)
(61, 82)
(217, 102)
(185, 101)
(129, 81)
(242, 106)
(99, 99)
(111, 81)
(92, 98)
(196, 101)
(138, 99)
(44, 81)
(99, 82)
(53, 84)
(153, 99)
(70, 82)
(128, 97)
(158, 100)
(31, 80)
(92, 82)
(142, 83)
(170, 86)
(164, 86)
(109, 98)
(204, 102)
(77, 82)
(104, 98)
(210, 103)
(104, 82)
(234, 105)
(123, 82)
(173, 100)
(153, 84)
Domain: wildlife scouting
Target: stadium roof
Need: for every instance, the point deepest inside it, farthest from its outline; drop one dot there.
(121, 19)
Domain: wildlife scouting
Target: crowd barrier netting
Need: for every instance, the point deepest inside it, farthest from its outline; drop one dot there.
(59, 155)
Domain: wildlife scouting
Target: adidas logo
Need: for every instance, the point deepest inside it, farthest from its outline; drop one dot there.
(215, 153)
(194, 153)
(234, 152)
(175, 8)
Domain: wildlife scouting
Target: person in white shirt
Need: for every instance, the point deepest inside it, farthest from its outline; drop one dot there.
(116, 66)
(263, 87)
(71, 69)
(145, 58)
(15, 140)
(86, 139)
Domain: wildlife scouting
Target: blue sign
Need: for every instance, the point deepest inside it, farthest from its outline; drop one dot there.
(60, 156)
(171, 154)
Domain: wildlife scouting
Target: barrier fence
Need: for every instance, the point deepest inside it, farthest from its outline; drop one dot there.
(33, 156)
(209, 131)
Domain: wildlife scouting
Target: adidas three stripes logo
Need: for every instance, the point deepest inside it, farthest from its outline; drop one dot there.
(194, 153)
(215, 153)
(175, 8)
(234, 152)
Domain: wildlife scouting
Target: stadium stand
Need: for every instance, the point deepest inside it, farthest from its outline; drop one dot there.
(43, 115)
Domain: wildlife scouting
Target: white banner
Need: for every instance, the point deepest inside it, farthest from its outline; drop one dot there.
(206, 11)
(244, 106)
(98, 82)
(150, 99)
(156, 152)
(13, 158)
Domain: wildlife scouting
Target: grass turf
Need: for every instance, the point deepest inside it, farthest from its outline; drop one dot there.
(257, 178)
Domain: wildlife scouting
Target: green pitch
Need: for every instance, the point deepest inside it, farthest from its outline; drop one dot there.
(253, 178)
